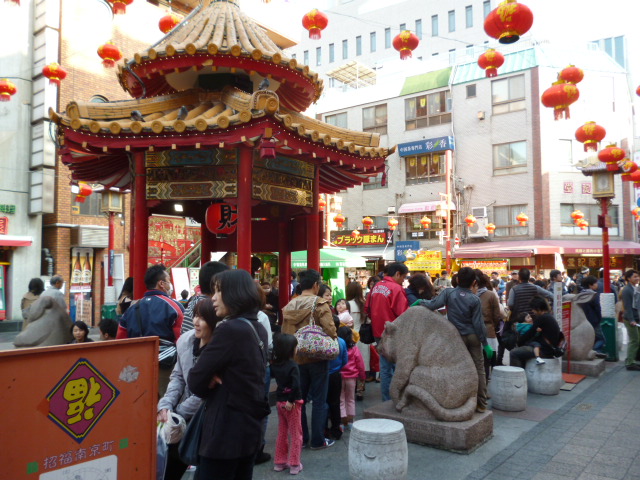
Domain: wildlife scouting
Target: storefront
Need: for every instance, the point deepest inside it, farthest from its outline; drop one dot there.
(7, 244)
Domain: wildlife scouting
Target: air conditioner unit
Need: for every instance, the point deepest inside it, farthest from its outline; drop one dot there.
(479, 229)
(479, 212)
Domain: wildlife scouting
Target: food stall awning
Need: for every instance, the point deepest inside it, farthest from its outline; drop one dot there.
(15, 241)
(329, 258)
(528, 248)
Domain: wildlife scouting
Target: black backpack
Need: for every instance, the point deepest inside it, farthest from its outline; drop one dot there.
(509, 336)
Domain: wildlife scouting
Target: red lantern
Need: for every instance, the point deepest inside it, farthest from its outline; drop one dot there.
(638, 91)
(168, 22)
(577, 215)
(339, 220)
(393, 223)
(406, 42)
(120, 6)
(355, 233)
(522, 219)
(267, 148)
(582, 223)
(110, 54)
(635, 177)
(635, 212)
(55, 73)
(368, 223)
(509, 21)
(15, 2)
(559, 96)
(491, 228)
(490, 61)
(84, 190)
(426, 222)
(627, 167)
(322, 204)
(315, 21)
(471, 220)
(571, 74)
(221, 218)
(80, 199)
(590, 134)
(7, 90)
(611, 156)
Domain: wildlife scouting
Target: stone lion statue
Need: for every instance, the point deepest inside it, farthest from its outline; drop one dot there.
(49, 324)
(582, 334)
(434, 371)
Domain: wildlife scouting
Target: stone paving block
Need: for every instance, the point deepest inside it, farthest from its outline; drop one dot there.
(551, 476)
(612, 471)
(559, 468)
(579, 450)
(589, 476)
(588, 442)
(579, 460)
(613, 459)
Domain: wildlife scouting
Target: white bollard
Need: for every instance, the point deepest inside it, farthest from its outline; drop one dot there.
(378, 450)
(545, 379)
(508, 389)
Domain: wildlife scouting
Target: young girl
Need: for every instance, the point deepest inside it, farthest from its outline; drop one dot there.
(346, 320)
(80, 332)
(353, 370)
(289, 398)
(525, 323)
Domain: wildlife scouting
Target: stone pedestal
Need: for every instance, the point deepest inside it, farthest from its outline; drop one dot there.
(590, 368)
(459, 437)
(545, 379)
(378, 450)
(508, 389)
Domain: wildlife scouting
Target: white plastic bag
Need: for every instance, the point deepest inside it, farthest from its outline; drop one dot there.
(163, 452)
(174, 428)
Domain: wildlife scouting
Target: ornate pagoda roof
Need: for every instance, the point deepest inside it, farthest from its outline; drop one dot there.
(95, 137)
(218, 37)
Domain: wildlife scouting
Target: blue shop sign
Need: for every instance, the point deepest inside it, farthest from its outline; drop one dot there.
(407, 246)
(429, 145)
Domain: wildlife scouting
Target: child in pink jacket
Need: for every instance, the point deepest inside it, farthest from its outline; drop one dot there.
(353, 370)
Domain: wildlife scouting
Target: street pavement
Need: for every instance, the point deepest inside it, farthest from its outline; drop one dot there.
(588, 433)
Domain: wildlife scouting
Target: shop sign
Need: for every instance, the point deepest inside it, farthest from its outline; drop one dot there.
(4, 226)
(7, 209)
(378, 237)
(428, 261)
(488, 266)
(406, 250)
(437, 144)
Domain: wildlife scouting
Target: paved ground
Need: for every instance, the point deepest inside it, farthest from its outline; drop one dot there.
(589, 433)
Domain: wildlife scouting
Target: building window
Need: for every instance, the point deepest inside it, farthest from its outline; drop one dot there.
(294, 56)
(99, 99)
(387, 38)
(425, 168)
(507, 94)
(403, 27)
(486, 8)
(337, 120)
(435, 54)
(374, 184)
(305, 57)
(468, 16)
(372, 42)
(615, 48)
(318, 56)
(345, 49)
(332, 53)
(469, 50)
(471, 90)
(358, 45)
(565, 153)
(92, 205)
(374, 119)
(452, 21)
(427, 110)
(415, 229)
(434, 26)
(452, 56)
(510, 158)
(591, 212)
(505, 221)
(419, 28)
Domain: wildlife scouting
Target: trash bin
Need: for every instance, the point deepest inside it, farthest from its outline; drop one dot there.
(109, 311)
(609, 330)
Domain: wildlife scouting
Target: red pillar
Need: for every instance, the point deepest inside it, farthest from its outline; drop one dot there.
(140, 248)
(207, 244)
(284, 264)
(605, 246)
(313, 227)
(244, 208)
(447, 156)
(111, 252)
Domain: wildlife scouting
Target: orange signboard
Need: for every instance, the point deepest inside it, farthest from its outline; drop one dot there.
(75, 409)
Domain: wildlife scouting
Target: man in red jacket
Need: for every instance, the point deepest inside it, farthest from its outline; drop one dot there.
(385, 303)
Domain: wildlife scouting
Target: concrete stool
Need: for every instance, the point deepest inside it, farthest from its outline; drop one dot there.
(378, 450)
(545, 379)
(508, 389)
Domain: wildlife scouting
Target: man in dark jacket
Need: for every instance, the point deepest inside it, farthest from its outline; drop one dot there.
(520, 295)
(631, 319)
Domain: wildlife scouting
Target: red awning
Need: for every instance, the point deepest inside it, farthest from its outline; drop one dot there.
(528, 248)
(15, 241)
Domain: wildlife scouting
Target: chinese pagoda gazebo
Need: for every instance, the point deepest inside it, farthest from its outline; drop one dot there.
(216, 118)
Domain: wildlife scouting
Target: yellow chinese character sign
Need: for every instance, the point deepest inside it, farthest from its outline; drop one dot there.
(80, 399)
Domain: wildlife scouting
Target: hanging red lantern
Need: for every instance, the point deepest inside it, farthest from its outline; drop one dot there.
(84, 190)
(355, 233)
(522, 219)
(55, 73)
(490, 228)
(559, 96)
(168, 22)
(120, 6)
(368, 223)
(406, 42)
(110, 54)
(590, 134)
(490, 61)
(471, 220)
(339, 220)
(627, 167)
(577, 215)
(322, 204)
(611, 155)
(315, 21)
(221, 218)
(638, 91)
(15, 2)
(635, 212)
(635, 177)
(582, 223)
(7, 90)
(393, 224)
(267, 148)
(571, 74)
(425, 222)
(509, 21)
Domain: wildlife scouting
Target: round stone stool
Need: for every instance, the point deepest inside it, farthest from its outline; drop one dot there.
(508, 389)
(545, 379)
(378, 450)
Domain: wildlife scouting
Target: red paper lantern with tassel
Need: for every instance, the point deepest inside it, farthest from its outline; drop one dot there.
(368, 223)
(322, 204)
(7, 90)
(577, 215)
(55, 73)
(590, 134)
(635, 178)
(582, 223)
(393, 223)
(339, 220)
(470, 220)
(509, 21)
(110, 54)
(490, 61)
(425, 222)
(627, 167)
(559, 96)
(168, 22)
(406, 42)
(522, 219)
(221, 218)
(120, 6)
(611, 156)
(315, 21)
(355, 233)
(571, 74)
(490, 228)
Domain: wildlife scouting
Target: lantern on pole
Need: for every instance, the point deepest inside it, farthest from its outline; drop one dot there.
(559, 96)
(120, 6)
(425, 222)
(508, 22)
(491, 228)
(315, 21)
(406, 42)
(590, 134)
(168, 22)
(470, 220)
(490, 61)
(339, 220)
(322, 203)
(110, 54)
(368, 223)
(611, 155)
(627, 167)
(522, 219)
(7, 90)
(393, 223)
(55, 73)
(571, 74)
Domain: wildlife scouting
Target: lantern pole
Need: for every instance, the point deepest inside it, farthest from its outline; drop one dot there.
(244, 235)
(606, 280)
(141, 226)
(313, 227)
(447, 156)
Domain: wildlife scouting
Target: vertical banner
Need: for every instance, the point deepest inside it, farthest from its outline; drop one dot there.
(81, 280)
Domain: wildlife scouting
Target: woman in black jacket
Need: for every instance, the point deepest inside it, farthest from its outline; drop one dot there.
(230, 377)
